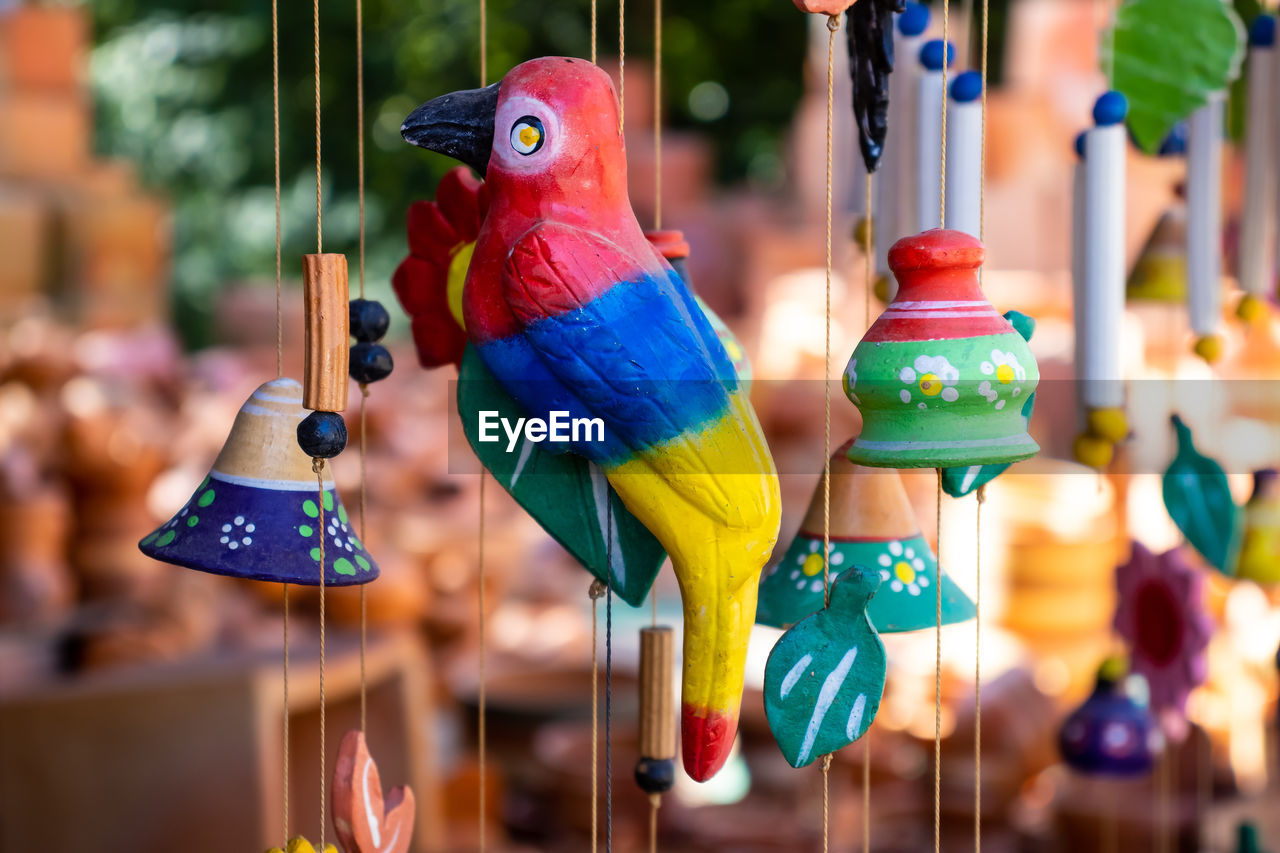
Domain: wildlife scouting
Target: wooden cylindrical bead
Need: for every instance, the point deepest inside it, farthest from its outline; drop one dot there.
(657, 693)
(327, 339)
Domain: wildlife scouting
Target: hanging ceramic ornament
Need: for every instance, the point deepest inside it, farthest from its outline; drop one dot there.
(365, 821)
(1260, 540)
(930, 98)
(570, 309)
(1247, 839)
(256, 515)
(872, 525)
(825, 676)
(302, 845)
(1198, 499)
(1160, 273)
(959, 482)
(940, 377)
(1098, 273)
(1204, 225)
(1112, 733)
(1255, 259)
(1161, 615)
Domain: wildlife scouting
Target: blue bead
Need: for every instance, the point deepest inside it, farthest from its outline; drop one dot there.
(369, 362)
(369, 320)
(914, 19)
(322, 435)
(1079, 144)
(1262, 32)
(1110, 108)
(1175, 144)
(655, 775)
(931, 55)
(967, 87)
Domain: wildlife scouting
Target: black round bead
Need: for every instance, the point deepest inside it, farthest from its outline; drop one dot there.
(369, 320)
(655, 775)
(322, 435)
(369, 362)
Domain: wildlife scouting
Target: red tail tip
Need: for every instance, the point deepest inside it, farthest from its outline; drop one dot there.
(706, 738)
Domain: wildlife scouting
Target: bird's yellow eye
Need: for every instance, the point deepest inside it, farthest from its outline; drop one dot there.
(527, 135)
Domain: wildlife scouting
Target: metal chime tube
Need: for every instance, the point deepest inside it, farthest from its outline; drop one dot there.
(1204, 220)
(964, 154)
(1099, 369)
(930, 98)
(1256, 258)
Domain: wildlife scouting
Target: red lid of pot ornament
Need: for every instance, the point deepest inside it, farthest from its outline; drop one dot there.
(941, 376)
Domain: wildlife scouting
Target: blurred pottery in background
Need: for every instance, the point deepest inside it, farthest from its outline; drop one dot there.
(1112, 733)
(1160, 273)
(1260, 541)
(941, 376)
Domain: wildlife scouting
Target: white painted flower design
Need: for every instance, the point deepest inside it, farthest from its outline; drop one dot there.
(808, 566)
(929, 377)
(903, 569)
(1006, 375)
(237, 533)
(851, 379)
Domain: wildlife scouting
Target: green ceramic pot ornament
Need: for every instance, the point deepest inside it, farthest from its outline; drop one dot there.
(825, 677)
(872, 525)
(959, 482)
(1199, 501)
(940, 378)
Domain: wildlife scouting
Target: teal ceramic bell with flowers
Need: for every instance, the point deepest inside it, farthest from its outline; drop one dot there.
(941, 377)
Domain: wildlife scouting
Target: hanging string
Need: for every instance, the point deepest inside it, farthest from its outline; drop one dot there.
(866, 791)
(593, 32)
(622, 64)
(317, 465)
(833, 26)
(315, 33)
(868, 258)
(608, 698)
(937, 679)
(942, 173)
(826, 803)
(480, 700)
(657, 115)
(285, 769)
(364, 389)
(484, 43)
(595, 593)
(275, 125)
(977, 674)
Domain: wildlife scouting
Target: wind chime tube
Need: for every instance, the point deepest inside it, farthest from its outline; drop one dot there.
(930, 98)
(1204, 222)
(655, 770)
(1256, 257)
(1102, 293)
(897, 188)
(326, 339)
(964, 154)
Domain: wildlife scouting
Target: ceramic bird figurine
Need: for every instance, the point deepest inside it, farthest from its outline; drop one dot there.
(571, 309)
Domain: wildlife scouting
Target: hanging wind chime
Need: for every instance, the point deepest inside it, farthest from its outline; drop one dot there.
(1256, 257)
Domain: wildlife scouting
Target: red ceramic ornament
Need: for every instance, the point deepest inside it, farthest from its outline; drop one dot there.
(941, 376)
(823, 7)
(365, 822)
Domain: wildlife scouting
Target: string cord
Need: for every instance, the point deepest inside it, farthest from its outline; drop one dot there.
(595, 593)
(622, 66)
(866, 791)
(285, 769)
(868, 258)
(364, 389)
(937, 681)
(657, 115)
(826, 802)
(977, 673)
(275, 131)
(942, 171)
(480, 700)
(315, 32)
(608, 703)
(317, 465)
(593, 31)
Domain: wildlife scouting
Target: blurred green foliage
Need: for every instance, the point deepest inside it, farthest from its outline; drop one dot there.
(185, 92)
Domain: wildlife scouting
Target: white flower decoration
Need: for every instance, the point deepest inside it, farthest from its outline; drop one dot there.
(903, 569)
(851, 379)
(808, 571)
(932, 376)
(1004, 370)
(237, 532)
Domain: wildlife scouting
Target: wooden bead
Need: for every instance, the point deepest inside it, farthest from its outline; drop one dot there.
(657, 694)
(326, 339)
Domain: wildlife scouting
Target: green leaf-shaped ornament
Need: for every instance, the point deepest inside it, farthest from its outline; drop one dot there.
(1167, 56)
(1199, 501)
(563, 492)
(825, 676)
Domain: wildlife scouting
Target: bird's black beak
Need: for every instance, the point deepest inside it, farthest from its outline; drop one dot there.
(459, 125)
